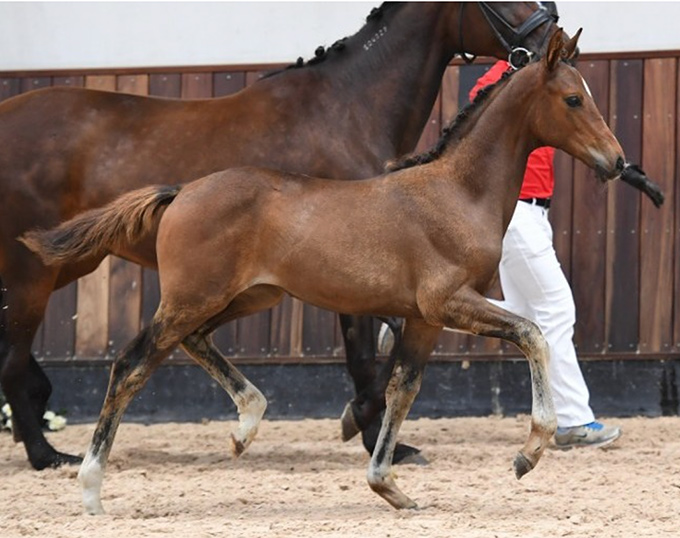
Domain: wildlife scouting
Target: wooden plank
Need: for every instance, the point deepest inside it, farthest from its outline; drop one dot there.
(561, 210)
(92, 324)
(77, 81)
(58, 338)
(165, 85)
(35, 83)
(125, 300)
(9, 87)
(622, 315)
(589, 228)
(227, 83)
(101, 82)
(59, 323)
(253, 76)
(656, 248)
(318, 331)
(196, 86)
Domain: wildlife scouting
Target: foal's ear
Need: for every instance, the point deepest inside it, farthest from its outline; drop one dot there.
(570, 47)
(554, 54)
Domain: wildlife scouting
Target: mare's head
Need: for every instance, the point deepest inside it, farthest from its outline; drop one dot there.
(513, 30)
(563, 113)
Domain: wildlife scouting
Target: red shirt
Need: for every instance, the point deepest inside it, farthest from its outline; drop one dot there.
(539, 178)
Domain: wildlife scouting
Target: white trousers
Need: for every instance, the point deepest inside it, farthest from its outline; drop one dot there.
(535, 287)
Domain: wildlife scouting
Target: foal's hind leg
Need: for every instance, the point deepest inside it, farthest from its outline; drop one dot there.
(130, 371)
(250, 402)
(473, 313)
(418, 340)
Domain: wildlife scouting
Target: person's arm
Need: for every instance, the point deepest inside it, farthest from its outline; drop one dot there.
(636, 177)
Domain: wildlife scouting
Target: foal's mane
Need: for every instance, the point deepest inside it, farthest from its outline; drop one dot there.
(450, 132)
(321, 53)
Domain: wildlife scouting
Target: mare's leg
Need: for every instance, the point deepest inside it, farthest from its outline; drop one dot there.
(362, 414)
(473, 313)
(418, 341)
(130, 371)
(23, 381)
(250, 402)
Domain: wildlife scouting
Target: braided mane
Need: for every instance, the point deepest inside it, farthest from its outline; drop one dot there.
(321, 52)
(449, 132)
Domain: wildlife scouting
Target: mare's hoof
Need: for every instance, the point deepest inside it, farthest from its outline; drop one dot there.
(522, 465)
(404, 454)
(55, 460)
(350, 428)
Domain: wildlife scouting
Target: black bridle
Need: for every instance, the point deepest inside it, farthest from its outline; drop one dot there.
(512, 38)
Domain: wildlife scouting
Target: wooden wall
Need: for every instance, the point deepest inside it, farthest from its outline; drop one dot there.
(618, 251)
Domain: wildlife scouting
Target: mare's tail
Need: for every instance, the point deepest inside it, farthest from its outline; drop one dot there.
(100, 230)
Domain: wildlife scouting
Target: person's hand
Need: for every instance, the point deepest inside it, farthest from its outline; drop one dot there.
(636, 177)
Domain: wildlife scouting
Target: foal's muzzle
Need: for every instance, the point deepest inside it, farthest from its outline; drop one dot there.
(604, 173)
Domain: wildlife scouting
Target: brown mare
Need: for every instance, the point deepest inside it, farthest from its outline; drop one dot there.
(424, 244)
(68, 150)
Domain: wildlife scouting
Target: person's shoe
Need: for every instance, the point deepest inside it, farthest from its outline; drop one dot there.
(385, 339)
(594, 434)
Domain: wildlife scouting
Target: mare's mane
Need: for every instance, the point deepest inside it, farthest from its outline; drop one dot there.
(321, 53)
(450, 132)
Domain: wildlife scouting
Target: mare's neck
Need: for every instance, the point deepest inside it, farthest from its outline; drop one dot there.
(390, 73)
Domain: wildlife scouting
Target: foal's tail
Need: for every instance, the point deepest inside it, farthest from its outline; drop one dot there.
(101, 230)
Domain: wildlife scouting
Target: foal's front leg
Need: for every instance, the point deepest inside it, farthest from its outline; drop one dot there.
(250, 402)
(362, 414)
(472, 313)
(418, 341)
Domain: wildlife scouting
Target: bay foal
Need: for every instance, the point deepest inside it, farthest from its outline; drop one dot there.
(421, 242)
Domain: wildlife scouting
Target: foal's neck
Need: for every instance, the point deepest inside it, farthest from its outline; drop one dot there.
(489, 159)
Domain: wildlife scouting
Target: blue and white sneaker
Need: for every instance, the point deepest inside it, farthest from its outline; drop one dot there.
(594, 434)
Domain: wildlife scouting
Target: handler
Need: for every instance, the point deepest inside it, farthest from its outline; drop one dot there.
(535, 287)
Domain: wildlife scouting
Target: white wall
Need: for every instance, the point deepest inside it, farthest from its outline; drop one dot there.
(54, 35)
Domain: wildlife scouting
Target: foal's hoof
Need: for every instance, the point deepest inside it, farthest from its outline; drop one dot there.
(389, 491)
(522, 465)
(350, 428)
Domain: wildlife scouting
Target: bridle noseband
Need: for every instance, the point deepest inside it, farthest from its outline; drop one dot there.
(510, 37)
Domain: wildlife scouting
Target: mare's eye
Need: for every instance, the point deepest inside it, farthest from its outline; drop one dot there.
(573, 101)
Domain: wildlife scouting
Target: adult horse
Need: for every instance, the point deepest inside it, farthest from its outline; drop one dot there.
(257, 233)
(67, 150)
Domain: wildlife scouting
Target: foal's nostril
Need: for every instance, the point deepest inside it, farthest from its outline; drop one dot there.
(620, 164)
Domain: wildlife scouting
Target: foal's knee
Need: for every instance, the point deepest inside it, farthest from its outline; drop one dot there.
(529, 338)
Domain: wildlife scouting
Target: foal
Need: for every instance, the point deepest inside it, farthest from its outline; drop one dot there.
(236, 241)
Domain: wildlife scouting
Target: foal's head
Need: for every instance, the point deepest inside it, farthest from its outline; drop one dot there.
(564, 115)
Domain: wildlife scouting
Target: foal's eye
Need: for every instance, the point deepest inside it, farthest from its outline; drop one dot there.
(573, 101)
